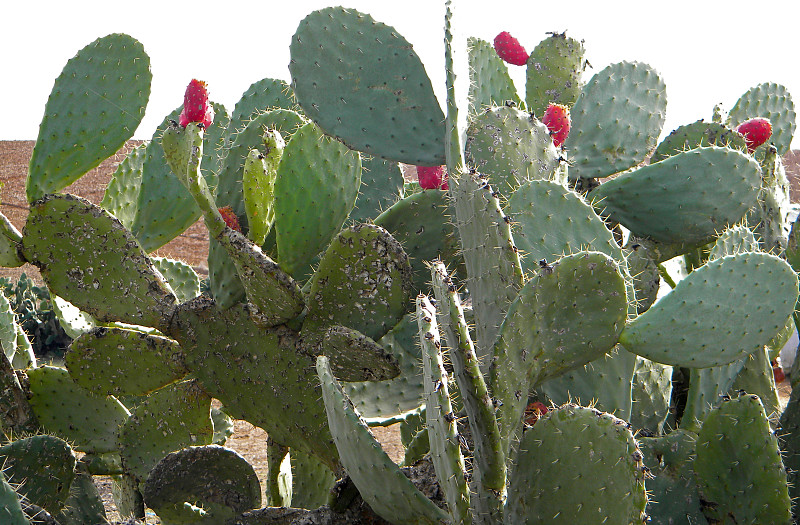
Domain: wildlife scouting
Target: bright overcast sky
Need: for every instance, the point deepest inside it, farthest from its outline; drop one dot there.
(706, 53)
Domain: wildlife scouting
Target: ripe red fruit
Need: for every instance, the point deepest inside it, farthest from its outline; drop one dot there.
(230, 218)
(534, 411)
(196, 107)
(510, 50)
(777, 372)
(432, 177)
(755, 131)
(556, 118)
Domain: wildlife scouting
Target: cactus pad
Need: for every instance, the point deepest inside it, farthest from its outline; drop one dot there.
(490, 84)
(358, 96)
(91, 423)
(114, 361)
(592, 453)
(679, 199)
(616, 120)
(721, 312)
(738, 466)
(510, 147)
(372, 471)
(771, 101)
(218, 480)
(363, 282)
(88, 257)
(554, 72)
(96, 105)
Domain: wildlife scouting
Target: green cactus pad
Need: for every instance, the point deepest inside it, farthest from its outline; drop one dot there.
(652, 393)
(363, 282)
(510, 147)
(164, 207)
(645, 274)
(114, 361)
(381, 187)
(208, 484)
(421, 223)
(84, 504)
(616, 120)
(88, 257)
(180, 276)
(679, 199)
(356, 357)
(606, 383)
(43, 466)
(569, 314)
(489, 81)
(757, 377)
(169, 419)
(738, 466)
(593, 454)
(494, 273)
(445, 448)
(122, 192)
(734, 240)
(555, 67)
(316, 188)
(258, 185)
(358, 96)
(771, 101)
(91, 423)
(773, 207)
(225, 285)
(372, 471)
(10, 238)
(274, 294)
(312, 481)
(706, 388)
(695, 135)
(674, 497)
(391, 398)
(95, 106)
(258, 374)
(552, 221)
(10, 507)
(264, 95)
(721, 312)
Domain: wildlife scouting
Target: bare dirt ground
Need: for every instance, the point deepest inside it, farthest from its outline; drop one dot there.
(191, 247)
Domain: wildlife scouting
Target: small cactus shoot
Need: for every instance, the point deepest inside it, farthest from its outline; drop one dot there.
(556, 118)
(432, 177)
(510, 50)
(755, 131)
(196, 107)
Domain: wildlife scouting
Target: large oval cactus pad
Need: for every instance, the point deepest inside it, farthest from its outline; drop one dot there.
(723, 311)
(688, 197)
(96, 104)
(372, 93)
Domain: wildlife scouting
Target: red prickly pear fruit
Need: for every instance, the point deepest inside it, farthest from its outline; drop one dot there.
(230, 218)
(195, 105)
(777, 372)
(432, 177)
(510, 50)
(556, 118)
(534, 411)
(755, 131)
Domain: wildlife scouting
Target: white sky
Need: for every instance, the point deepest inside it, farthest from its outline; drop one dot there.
(706, 53)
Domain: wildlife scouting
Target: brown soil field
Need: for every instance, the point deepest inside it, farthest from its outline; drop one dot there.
(191, 247)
